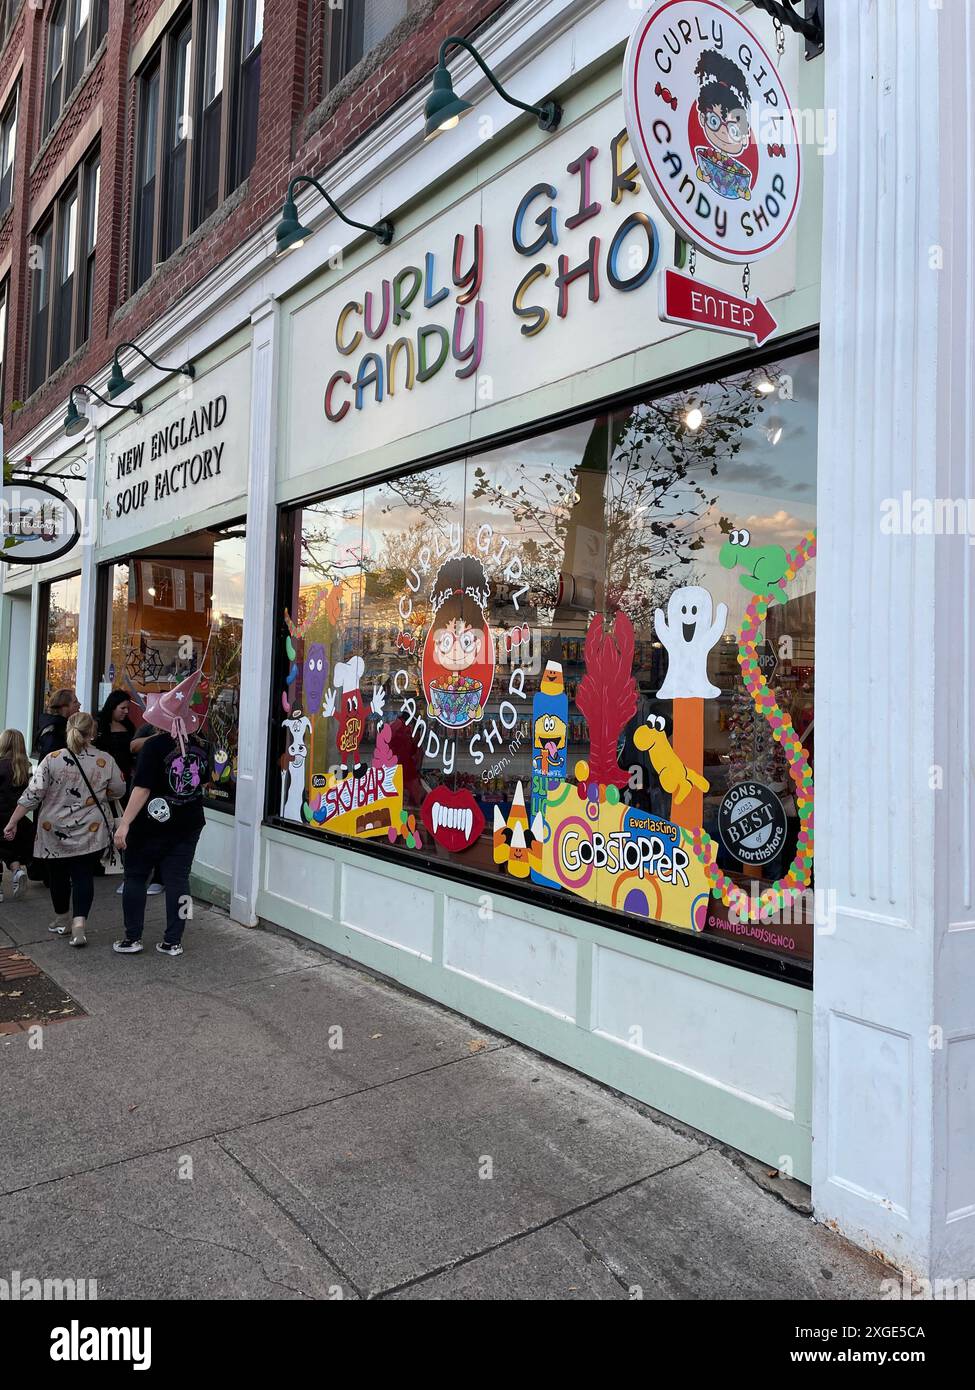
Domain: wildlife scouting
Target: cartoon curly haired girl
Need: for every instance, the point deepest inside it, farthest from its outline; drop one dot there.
(722, 115)
(458, 656)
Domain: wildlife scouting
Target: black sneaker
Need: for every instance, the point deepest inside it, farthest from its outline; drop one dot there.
(168, 948)
(127, 947)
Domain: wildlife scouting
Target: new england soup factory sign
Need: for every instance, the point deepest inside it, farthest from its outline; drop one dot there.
(187, 455)
(713, 129)
(37, 523)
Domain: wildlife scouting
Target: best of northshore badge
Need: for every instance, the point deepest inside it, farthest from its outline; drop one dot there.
(752, 823)
(712, 129)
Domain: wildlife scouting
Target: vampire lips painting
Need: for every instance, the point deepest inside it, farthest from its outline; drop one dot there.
(453, 818)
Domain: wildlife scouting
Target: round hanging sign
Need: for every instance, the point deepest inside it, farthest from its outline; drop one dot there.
(36, 523)
(712, 129)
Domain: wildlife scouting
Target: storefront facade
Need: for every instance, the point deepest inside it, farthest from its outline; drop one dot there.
(506, 591)
(493, 405)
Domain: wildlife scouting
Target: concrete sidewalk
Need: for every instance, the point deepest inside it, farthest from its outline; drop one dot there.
(202, 1134)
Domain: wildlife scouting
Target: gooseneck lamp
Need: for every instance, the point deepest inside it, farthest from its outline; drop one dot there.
(75, 422)
(444, 107)
(290, 234)
(119, 382)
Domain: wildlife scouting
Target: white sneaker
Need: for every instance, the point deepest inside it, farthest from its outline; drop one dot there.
(20, 882)
(61, 923)
(120, 890)
(78, 937)
(154, 888)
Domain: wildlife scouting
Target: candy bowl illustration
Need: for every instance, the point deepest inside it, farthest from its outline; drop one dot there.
(457, 701)
(727, 176)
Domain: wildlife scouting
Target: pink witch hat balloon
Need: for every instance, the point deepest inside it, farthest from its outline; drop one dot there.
(172, 712)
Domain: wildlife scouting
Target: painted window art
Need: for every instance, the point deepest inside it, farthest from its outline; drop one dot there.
(579, 666)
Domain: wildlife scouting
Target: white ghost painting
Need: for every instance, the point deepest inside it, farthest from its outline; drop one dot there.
(689, 631)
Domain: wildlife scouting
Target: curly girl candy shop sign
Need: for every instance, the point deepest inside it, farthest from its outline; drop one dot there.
(36, 523)
(712, 129)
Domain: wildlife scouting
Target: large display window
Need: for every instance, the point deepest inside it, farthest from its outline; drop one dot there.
(60, 610)
(170, 610)
(578, 666)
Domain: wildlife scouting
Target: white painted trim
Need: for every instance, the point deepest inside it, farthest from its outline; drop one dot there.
(895, 657)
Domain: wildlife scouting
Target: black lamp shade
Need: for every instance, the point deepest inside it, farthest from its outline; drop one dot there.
(117, 381)
(289, 232)
(74, 421)
(444, 107)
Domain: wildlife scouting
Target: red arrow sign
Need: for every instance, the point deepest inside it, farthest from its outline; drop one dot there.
(692, 302)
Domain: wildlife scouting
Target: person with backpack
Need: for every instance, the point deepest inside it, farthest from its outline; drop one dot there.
(14, 777)
(70, 790)
(164, 818)
(120, 737)
(52, 727)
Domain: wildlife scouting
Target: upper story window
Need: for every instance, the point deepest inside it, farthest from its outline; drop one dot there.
(8, 9)
(4, 295)
(75, 30)
(8, 149)
(353, 30)
(62, 260)
(196, 123)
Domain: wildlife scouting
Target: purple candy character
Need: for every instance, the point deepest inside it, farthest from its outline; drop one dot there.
(316, 677)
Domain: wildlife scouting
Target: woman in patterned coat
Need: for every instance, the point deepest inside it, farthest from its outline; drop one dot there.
(71, 822)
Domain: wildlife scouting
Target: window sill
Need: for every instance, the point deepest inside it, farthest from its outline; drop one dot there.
(68, 104)
(163, 268)
(10, 30)
(59, 373)
(352, 81)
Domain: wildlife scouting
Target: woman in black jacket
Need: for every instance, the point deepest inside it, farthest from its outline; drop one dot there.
(118, 736)
(116, 732)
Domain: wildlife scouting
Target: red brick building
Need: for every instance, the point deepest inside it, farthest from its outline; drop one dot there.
(142, 140)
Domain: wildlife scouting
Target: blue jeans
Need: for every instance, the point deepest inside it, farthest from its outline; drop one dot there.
(172, 859)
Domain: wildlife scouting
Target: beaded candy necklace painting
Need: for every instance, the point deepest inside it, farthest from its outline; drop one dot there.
(784, 892)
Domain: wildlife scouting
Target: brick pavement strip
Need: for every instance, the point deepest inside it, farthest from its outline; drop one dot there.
(37, 1000)
(14, 965)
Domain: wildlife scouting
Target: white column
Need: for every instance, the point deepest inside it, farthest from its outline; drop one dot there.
(89, 638)
(894, 993)
(35, 657)
(257, 653)
(6, 623)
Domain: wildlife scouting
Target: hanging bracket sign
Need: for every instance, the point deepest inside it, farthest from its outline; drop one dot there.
(712, 129)
(683, 299)
(37, 524)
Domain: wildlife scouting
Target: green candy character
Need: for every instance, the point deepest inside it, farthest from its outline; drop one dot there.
(766, 565)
